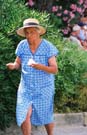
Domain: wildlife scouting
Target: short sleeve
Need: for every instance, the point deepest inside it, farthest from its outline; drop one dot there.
(19, 49)
(53, 51)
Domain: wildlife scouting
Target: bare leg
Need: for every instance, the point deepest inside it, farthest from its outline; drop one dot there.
(49, 128)
(26, 126)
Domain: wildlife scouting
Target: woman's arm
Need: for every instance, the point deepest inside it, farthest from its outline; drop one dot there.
(51, 68)
(15, 65)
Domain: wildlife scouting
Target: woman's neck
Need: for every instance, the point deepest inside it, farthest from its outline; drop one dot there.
(34, 45)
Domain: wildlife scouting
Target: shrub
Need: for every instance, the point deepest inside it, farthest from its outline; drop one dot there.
(69, 13)
(71, 79)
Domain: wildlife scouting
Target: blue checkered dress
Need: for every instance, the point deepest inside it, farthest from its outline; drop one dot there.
(36, 87)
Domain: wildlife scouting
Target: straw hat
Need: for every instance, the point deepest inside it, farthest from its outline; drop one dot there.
(31, 22)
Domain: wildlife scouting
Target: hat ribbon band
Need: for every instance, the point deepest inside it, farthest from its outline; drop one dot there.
(27, 24)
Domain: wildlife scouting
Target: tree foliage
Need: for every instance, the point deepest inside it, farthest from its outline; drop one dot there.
(71, 81)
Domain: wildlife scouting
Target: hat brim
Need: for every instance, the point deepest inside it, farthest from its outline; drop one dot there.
(21, 32)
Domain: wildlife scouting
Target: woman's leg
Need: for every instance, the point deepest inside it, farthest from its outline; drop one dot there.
(49, 128)
(26, 126)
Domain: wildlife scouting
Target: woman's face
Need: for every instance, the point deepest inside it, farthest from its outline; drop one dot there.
(32, 34)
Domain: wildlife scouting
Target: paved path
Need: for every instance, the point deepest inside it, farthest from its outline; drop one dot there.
(71, 130)
(61, 130)
(65, 124)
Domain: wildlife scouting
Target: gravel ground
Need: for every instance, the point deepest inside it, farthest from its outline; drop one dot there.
(60, 130)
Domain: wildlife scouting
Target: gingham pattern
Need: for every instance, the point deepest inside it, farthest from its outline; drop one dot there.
(36, 87)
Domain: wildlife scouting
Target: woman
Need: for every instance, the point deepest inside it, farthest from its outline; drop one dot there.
(36, 57)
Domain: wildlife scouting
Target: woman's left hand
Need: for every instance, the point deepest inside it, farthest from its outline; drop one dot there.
(37, 66)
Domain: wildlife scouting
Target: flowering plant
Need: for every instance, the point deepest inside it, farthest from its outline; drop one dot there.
(69, 12)
(30, 3)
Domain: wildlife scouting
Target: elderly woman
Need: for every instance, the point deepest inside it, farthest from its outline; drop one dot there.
(37, 59)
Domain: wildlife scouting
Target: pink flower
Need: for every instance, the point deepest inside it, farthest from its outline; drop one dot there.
(65, 18)
(72, 15)
(54, 8)
(73, 7)
(85, 2)
(59, 14)
(65, 31)
(65, 12)
(79, 10)
(31, 3)
(80, 2)
(85, 6)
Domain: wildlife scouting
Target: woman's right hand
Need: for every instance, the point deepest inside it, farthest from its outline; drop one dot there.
(11, 66)
(15, 65)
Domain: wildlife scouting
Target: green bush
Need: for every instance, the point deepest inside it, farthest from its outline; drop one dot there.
(71, 79)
